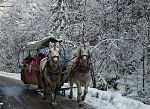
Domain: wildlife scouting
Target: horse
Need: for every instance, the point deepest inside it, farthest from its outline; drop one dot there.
(79, 70)
(51, 72)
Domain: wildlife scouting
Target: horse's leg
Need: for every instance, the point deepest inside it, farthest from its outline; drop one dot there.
(85, 91)
(39, 80)
(45, 88)
(79, 93)
(53, 97)
(42, 84)
(71, 86)
(53, 94)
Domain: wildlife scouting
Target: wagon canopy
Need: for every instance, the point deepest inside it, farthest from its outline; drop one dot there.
(38, 44)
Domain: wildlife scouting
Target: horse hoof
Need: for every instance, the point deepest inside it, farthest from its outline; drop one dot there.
(40, 87)
(80, 104)
(70, 97)
(54, 104)
(43, 98)
(83, 98)
(48, 93)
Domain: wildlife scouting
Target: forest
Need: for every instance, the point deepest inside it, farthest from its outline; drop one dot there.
(118, 32)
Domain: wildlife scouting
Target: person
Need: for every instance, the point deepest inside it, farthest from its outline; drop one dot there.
(38, 57)
(34, 60)
(30, 60)
(27, 62)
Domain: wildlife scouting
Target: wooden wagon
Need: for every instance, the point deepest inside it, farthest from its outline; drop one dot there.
(30, 55)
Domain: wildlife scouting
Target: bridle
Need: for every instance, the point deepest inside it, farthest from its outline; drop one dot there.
(81, 65)
(53, 68)
(51, 58)
(81, 56)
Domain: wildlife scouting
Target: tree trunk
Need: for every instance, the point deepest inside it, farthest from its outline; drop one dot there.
(143, 68)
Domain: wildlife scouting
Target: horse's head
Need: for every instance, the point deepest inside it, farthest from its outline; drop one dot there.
(84, 51)
(54, 51)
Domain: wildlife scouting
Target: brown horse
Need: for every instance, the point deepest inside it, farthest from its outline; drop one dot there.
(79, 70)
(51, 72)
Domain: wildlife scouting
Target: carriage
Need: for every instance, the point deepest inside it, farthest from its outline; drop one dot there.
(47, 68)
(30, 55)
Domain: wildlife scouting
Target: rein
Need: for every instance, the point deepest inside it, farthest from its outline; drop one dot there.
(71, 59)
(50, 72)
(81, 66)
(50, 65)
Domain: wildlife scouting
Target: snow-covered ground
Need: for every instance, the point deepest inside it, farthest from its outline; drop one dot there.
(10, 75)
(100, 99)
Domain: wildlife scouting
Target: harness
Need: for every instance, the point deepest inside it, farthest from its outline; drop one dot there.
(83, 67)
(62, 57)
(49, 71)
(50, 67)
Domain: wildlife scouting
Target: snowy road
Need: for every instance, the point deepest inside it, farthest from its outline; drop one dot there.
(14, 96)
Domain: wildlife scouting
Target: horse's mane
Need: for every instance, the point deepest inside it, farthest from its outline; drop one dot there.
(78, 51)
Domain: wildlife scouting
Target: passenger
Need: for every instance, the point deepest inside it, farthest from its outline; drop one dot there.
(30, 60)
(27, 62)
(41, 56)
(36, 59)
(44, 55)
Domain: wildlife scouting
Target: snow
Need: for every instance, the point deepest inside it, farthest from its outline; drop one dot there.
(1, 104)
(97, 98)
(109, 100)
(33, 42)
(10, 75)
